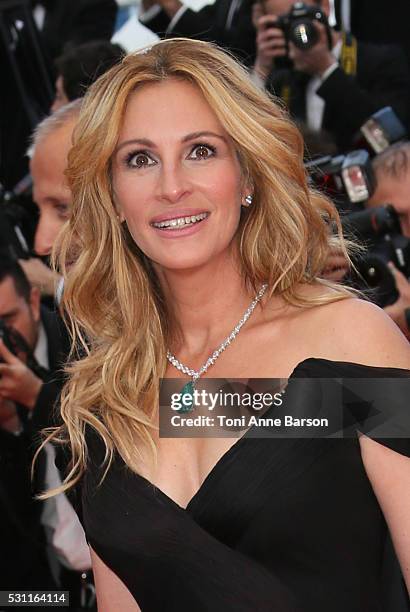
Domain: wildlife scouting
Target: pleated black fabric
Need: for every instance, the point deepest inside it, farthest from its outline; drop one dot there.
(282, 524)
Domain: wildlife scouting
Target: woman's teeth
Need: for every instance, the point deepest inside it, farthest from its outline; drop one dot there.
(180, 222)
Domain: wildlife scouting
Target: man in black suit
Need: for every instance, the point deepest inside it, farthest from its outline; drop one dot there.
(43, 544)
(226, 22)
(24, 560)
(66, 24)
(337, 88)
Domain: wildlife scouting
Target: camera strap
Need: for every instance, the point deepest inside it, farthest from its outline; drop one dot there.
(348, 56)
(285, 94)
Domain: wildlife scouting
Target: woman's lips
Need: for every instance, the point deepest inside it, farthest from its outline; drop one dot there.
(177, 213)
(182, 229)
(180, 221)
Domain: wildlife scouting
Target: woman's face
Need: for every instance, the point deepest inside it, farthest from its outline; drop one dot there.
(176, 176)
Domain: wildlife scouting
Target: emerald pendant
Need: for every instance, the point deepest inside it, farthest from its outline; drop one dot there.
(187, 397)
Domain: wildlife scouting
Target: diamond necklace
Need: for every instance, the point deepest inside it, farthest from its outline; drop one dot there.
(188, 389)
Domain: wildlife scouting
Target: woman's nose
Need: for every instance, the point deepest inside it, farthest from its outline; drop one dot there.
(173, 183)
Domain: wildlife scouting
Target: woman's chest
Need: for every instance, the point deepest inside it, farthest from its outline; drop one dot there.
(277, 491)
(184, 465)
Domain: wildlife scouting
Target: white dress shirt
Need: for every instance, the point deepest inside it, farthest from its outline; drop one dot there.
(64, 531)
(315, 105)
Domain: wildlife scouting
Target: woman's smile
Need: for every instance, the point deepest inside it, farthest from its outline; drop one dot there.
(177, 225)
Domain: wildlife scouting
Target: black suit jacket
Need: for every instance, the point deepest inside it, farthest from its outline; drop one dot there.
(210, 24)
(382, 79)
(79, 21)
(45, 410)
(371, 22)
(23, 559)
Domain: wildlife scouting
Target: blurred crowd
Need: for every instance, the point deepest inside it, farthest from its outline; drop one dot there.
(342, 68)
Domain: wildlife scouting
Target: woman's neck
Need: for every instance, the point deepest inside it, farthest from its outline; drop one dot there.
(206, 304)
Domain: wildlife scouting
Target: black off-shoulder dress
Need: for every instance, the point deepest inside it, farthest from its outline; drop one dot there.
(282, 524)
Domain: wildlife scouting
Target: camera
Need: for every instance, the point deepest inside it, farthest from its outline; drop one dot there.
(299, 27)
(13, 340)
(17, 345)
(349, 180)
(379, 230)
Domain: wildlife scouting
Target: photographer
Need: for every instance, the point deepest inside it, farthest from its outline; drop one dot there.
(24, 562)
(335, 83)
(29, 386)
(392, 170)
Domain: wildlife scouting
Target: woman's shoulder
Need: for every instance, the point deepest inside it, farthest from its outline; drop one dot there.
(355, 330)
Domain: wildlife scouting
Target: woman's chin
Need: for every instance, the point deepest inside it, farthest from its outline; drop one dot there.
(188, 263)
(202, 256)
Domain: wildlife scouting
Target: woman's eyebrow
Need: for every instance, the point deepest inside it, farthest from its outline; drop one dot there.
(141, 141)
(195, 135)
(149, 143)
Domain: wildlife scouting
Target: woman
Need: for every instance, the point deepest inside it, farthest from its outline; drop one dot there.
(191, 208)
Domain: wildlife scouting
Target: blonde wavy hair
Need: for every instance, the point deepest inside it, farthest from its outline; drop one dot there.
(113, 302)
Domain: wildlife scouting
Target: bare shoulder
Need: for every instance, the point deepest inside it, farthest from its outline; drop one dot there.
(355, 330)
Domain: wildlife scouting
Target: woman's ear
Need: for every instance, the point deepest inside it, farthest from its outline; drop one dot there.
(247, 200)
(247, 192)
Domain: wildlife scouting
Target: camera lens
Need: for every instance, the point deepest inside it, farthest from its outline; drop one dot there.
(303, 34)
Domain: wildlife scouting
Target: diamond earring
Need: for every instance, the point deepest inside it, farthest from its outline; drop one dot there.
(248, 201)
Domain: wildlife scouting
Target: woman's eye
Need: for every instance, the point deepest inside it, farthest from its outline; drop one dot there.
(139, 160)
(202, 152)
